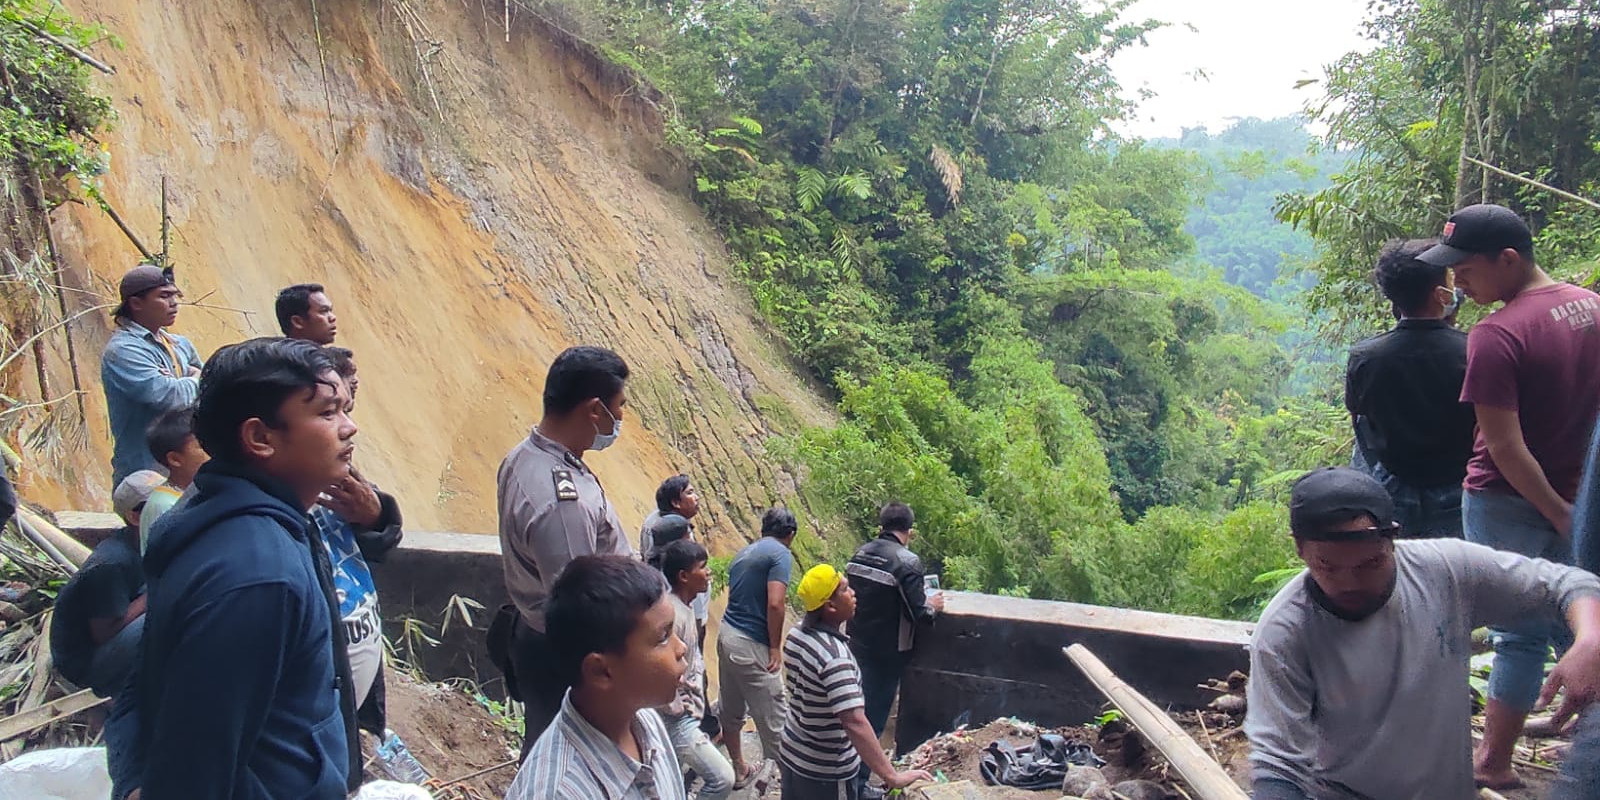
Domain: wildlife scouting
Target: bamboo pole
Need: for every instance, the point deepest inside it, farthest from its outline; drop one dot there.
(71, 50)
(1535, 184)
(1199, 771)
(64, 549)
(105, 205)
(54, 711)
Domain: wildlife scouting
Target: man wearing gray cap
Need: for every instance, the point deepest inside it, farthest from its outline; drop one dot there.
(1358, 668)
(145, 368)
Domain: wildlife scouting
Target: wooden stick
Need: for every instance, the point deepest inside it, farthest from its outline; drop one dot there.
(1200, 717)
(105, 205)
(1203, 774)
(73, 51)
(54, 711)
(1535, 184)
(68, 551)
(166, 224)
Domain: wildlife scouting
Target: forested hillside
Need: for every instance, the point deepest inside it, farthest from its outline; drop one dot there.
(1027, 343)
(1246, 167)
(929, 202)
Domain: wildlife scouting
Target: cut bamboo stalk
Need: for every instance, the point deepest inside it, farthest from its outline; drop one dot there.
(66, 551)
(1204, 775)
(54, 711)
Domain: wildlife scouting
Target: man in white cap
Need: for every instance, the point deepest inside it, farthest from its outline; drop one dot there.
(145, 368)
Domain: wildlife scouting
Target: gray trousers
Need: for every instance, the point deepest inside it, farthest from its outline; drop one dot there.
(747, 686)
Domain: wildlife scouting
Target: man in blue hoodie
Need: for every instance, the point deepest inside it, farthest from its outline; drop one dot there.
(240, 694)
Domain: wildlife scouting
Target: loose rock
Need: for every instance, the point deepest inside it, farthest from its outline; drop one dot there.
(1081, 779)
(1229, 704)
(1140, 790)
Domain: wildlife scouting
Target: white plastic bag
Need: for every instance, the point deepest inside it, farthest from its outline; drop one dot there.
(390, 790)
(66, 773)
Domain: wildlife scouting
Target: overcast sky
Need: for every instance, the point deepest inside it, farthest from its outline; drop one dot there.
(1251, 51)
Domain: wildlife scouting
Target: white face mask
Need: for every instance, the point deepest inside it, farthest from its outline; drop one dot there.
(604, 440)
(1456, 296)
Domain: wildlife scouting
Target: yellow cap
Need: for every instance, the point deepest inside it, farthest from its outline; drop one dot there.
(817, 585)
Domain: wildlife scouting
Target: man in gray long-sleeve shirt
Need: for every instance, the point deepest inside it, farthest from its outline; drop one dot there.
(1358, 683)
(553, 509)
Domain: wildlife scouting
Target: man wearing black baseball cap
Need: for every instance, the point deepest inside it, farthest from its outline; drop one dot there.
(146, 369)
(1533, 379)
(1358, 668)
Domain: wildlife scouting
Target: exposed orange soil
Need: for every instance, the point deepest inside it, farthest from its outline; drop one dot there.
(461, 253)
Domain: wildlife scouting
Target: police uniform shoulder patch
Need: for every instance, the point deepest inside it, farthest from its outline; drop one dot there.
(566, 489)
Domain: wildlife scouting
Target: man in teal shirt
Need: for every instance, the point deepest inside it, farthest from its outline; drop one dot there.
(146, 370)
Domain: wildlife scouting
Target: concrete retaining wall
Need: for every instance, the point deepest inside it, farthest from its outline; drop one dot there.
(417, 581)
(991, 656)
(987, 657)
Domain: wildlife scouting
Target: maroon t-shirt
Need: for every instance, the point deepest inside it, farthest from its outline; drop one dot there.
(1539, 355)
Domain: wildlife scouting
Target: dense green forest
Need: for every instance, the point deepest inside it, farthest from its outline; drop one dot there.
(1071, 351)
(1245, 168)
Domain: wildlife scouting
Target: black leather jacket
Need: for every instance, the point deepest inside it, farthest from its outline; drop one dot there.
(890, 599)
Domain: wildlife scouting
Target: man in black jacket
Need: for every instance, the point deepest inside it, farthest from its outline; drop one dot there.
(1403, 391)
(890, 602)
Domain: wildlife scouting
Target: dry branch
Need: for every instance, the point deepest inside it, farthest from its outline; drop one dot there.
(1203, 775)
(61, 300)
(19, 407)
(27, 343)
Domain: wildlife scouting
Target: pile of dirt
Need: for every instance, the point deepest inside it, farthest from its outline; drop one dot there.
(452, 735)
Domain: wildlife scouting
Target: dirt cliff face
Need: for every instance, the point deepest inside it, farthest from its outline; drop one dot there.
(470, 220)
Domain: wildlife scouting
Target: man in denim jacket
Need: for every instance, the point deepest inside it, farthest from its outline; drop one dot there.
(146, 369)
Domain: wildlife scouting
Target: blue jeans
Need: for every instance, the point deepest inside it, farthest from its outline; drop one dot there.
(1580, 773)
(113, 663)
(1586, 511)
(1508, 522)
(695, 751)
(1423, 513)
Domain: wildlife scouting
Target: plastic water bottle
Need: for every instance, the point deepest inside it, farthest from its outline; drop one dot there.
(397, 761)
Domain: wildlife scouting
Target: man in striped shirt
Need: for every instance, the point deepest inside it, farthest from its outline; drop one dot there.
(609, 621)
(826, 735)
